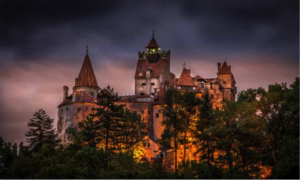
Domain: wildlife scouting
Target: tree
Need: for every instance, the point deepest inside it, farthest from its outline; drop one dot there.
(110, 126)
(41, 131)
(204, 130)
(188, 104)
(173, 122)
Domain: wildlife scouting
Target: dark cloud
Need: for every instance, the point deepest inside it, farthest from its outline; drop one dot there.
(42, 45)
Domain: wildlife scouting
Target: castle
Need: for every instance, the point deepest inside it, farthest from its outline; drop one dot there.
(152, 79)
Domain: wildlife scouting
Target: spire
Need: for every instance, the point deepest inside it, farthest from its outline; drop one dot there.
(224, 69)
(184, 66)
(86, 76)
(152, 44)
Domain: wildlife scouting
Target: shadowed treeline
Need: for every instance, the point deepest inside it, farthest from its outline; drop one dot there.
(260, 131)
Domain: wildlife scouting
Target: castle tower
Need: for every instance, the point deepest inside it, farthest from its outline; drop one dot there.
(227, 83)
(152, 70)
(86, 80)
(77, 106)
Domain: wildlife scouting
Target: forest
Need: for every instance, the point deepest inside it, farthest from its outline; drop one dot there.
(259, 131)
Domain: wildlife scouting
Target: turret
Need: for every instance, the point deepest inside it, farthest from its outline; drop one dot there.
(226, 81)
(65, 92)
(86, 80)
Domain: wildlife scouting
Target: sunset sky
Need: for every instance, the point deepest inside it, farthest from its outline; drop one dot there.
(42, 46)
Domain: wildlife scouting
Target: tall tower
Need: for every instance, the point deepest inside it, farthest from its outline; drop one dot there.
(152, 70)
(227, 82)
(77, 106)
(86, 80)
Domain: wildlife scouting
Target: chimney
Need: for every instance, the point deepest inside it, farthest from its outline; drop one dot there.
(65, 92)
(219, 66)
(76, 80)
(229, 68)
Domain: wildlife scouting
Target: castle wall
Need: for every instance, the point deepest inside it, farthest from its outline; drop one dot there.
(158, 129)
(70, 115)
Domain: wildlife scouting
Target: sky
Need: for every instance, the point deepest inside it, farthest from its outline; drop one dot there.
(43, 44)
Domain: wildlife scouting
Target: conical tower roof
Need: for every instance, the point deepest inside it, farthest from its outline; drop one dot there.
(152, 43)
(86, 76)
(224, 69)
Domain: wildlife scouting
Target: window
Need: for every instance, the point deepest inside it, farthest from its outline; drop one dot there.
(142, 111)
(92, 94)
(86, 109)
(143, 84)
(212, 96)
(161, 155)
(157, 115)
(211, 86)
(202, 86)
(67, 109)
(142, 94)
(141, 70)
(144, 143)
(148, 144)
(78, 109)
(152, 84)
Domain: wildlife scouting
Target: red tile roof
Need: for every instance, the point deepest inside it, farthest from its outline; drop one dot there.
(198, 77)
(86, 76)
(186, 79)
(81, 97)
(152, 43)
(224, 69)
(157, 68)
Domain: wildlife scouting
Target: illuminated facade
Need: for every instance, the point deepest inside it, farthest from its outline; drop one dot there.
(152, 79)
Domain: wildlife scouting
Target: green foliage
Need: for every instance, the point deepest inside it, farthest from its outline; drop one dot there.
(41, 131)
(205, 130)
(109, 126)
(249, 134)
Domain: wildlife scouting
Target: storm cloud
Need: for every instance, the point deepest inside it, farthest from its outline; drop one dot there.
(42, 46)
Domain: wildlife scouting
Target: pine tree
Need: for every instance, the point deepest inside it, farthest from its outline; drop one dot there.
(188, 103)
(110, 126)
(173, 121)
(41, 131)
(204, 129)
